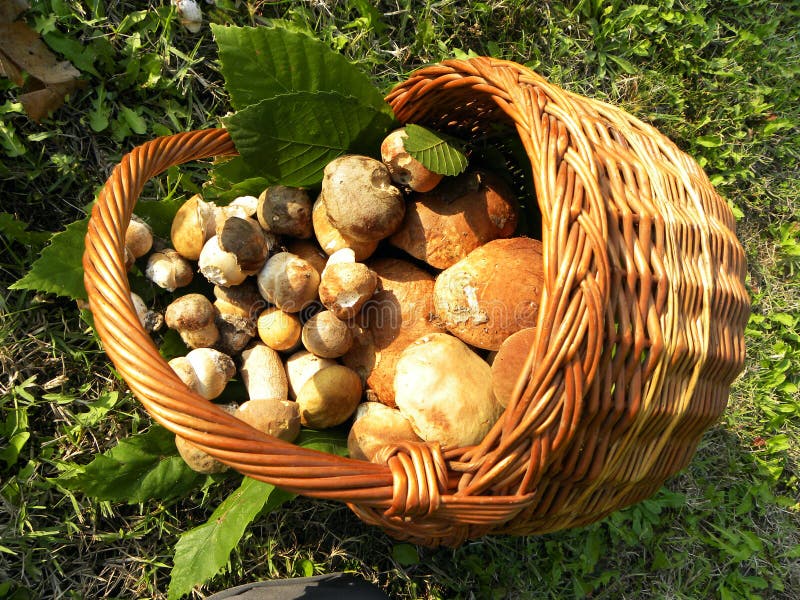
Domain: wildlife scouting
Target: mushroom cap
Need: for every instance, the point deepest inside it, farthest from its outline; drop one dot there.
(509, 362)
(213, 370)
(301, 366)
(345, 287)
(331, 239)
(288, 282)
(278, 418)
(245, 239)
(189, 312)
(376, 426)
(327, 336)
(169, 270)
(192, 226)
(278, 329)
(445, 391)
(285, 210)
(218, 266)
(403, 168)
(359, 198)
(138, 237)
(329, 397)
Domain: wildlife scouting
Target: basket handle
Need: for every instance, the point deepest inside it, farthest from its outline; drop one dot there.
(168, 400)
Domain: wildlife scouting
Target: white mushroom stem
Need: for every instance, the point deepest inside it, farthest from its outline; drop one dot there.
(169, 270)
(263, 373)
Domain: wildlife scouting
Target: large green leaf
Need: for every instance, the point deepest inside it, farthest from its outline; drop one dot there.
(142, 467)
(290, 138)
(439, 153)
(263, 62)
(203, 551)
(59, 269)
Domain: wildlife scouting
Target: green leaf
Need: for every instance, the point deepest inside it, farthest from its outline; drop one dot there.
(139, 468)
(332, 441)
(15, 430)
(441, 154)
(59, 269)
(233, 178)
(261, 62)
(134, 120)
(17, 231)
(406, 555)
(203, 551)
(289, 139)
(159, 214)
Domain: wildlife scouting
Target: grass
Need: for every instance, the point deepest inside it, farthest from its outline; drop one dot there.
(720, 78)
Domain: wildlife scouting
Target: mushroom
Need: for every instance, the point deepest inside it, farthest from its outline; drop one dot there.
(243, 207)
(243, 299)
(309, 251)
(399, 312)
(326, 336)
(138, 237)
(235, 332)
(345, 287)
(403, 168)
(508, 363)
(205, 371)
(285, 211)
(197, 459)
(331, 239)
(193, 225)
(329, 397)
(169, 270)
(278, 329)
(151, 320)
(263, 373)
(492, 293)
(445, 390)
(359, 198)
(443, 226)
(288, 282)
(192, 316)
(376, 426)
(239, 249)
(278, 418)
(301, 366)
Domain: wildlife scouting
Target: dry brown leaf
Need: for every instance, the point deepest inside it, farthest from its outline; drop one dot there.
(40, 103)
(24, 46)
(10, 70)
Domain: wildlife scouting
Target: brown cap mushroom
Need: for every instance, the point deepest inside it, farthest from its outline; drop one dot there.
(301, 366)
(404, 169)
(331, 239)
(326, 336)
(285, 211)
(192, 316)
(288, 282)
(278, 418)
(243, 299)
(345, 287)
(205, 371)
(359, 198)
(138, 237)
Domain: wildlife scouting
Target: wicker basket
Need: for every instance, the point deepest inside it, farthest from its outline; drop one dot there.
(640, 329)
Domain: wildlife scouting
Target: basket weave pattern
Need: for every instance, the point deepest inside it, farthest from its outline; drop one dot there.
(639, 335)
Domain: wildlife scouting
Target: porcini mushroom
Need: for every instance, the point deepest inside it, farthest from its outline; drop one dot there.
(359, 198)
(285, 211)
(327, 336)
(192, 316)
(169, 270)
(403, 168)
(329, 397)
(288, 282)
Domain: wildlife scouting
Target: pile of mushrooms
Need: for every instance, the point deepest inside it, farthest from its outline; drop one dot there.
(398, 302)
